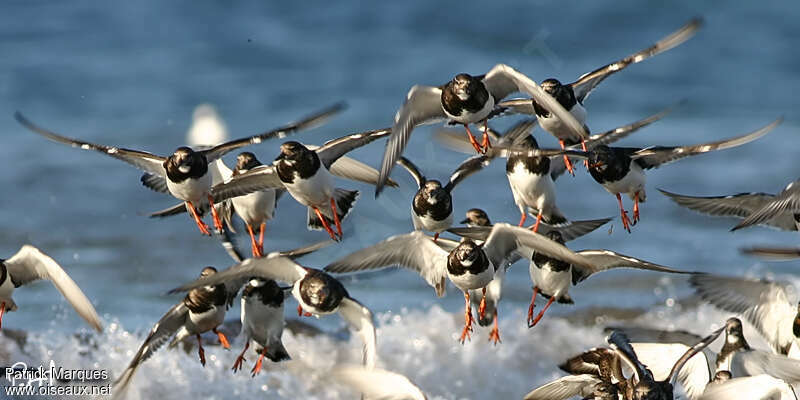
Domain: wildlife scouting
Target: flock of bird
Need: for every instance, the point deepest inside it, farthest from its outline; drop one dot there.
(639, 363)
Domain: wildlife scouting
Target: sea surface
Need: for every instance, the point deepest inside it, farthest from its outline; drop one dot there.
(130, 74)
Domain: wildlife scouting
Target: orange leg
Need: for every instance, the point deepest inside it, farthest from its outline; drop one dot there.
(567, 162)
(253, 244)
(336, 218)
(636, 208)
(465, 334)
(261, 237)
(237, 365)
(535, 227)
(257, 368)
(325, 224)
(626, 222)
(541, 313)
(300, 312)
(200, 351)
(435, 237)
(530, 307)
(214, 215)
(2, 310)
(472, 140)
(223, 340)
(482, 306)
(200, 224)
(523, 218)
(485, 143)
(585, 161)
(494, 335)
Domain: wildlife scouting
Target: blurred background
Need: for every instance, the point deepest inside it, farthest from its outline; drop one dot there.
(131, 73)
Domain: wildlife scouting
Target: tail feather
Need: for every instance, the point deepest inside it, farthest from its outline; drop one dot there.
(345, 199)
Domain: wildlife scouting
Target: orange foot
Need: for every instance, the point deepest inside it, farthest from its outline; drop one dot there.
(237, 365)
(257, 368)
(223, 340)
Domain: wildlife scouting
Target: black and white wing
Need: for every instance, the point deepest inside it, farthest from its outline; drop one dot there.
(787, 201)
(465, 169)
(415, 251)
(654, 157)
(505, 239)
(334, 149)
(759, 387)
(569, 231)
(587, 82)
(412, 169)
(773, 253)
(423, 104)
(737, 205)
(377, 384)
(29, 265)
(565, 388)
(147, 162)
(603, 260)
(757, 362)
(503, 80)
(308, 122)
(621, 344)
(163, 330)
(258, 178)
(350, 168)
(273, 266)
(360, 320)
(557, 166)
(763, 303)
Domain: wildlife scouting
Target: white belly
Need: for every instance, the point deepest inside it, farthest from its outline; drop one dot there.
(261, 323)
(794, 350)
(315, 191)
(255, 208)
(550, 282)
(468, 281)
(193, 190)
(431, 225)
(532, 190)
(203, 322)
(560, 130)
(630, 184)
(471, 118)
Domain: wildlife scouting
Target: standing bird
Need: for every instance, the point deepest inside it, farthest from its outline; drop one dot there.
(764, 304)
(202, 310)
(465, 100)
(743, 205)
(307, 175)
(186, 171)
(478, 229)
(571, 96)
(468, 265)
(621, 169)
(262, 322)
(532, 176)
(317, 292)
(432, 205)
(28, 265)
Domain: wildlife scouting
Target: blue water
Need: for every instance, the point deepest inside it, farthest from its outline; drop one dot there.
(130, 74)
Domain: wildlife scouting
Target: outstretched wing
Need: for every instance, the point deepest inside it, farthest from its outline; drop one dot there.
(787, 201)
(737, 205)
(273, 266)
(415, 251)
(423, 103)
(565, 388)
(587, 82)
(654, 157)
(30, 264)
(360, 320)
(763, 303)
(308, 122)
(505, 239)
(603, 260)
(163, 330)
(145, 161)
